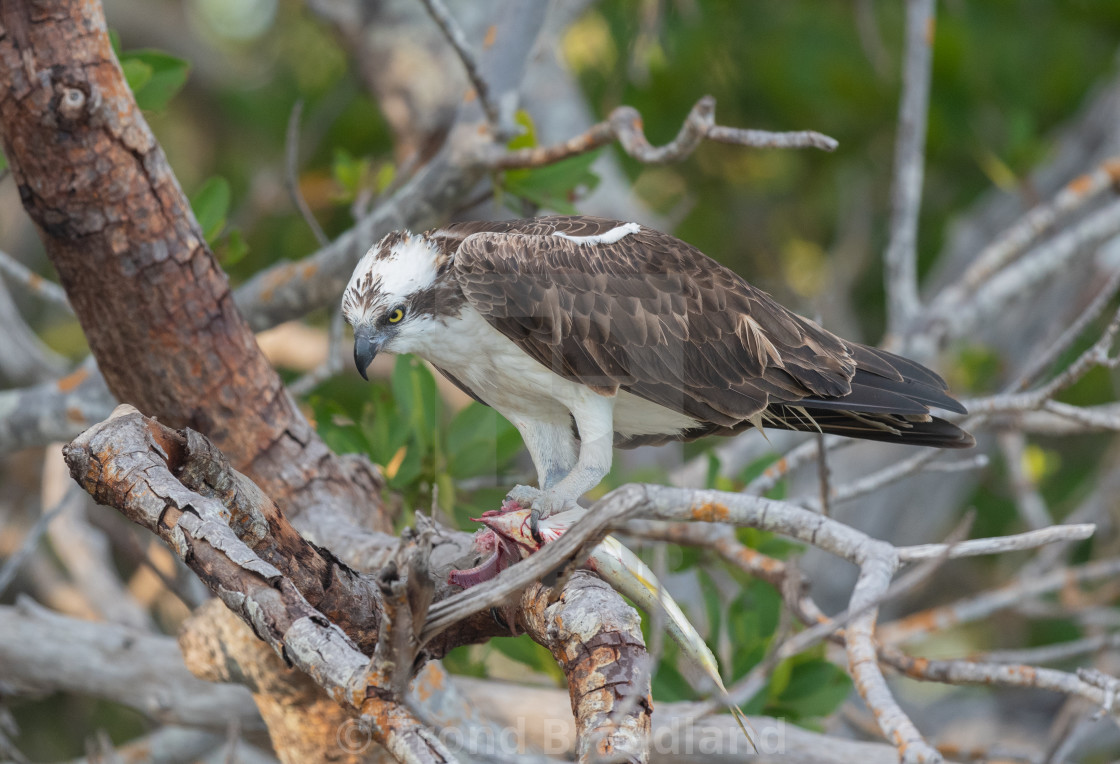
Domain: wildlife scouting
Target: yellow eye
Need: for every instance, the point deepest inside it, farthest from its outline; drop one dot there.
(396, 316)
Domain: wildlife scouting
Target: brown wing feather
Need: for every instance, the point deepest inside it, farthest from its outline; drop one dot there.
(648, 314)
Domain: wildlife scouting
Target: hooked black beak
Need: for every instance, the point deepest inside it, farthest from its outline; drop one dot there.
(366, 344)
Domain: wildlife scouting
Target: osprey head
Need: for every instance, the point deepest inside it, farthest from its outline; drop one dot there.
(386, 299)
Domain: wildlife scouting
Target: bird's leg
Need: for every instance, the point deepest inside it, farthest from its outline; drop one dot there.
(552, 447)
(552, 455)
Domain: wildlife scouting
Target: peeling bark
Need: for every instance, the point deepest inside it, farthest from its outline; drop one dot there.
(597, 640)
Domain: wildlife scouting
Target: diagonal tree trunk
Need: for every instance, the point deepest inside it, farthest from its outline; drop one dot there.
(154, 304)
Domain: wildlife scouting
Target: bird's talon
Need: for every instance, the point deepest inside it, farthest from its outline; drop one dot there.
(535, 526)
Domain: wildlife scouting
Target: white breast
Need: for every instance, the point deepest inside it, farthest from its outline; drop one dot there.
(508, 379)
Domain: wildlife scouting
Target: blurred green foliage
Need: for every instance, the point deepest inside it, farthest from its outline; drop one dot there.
(426, 452)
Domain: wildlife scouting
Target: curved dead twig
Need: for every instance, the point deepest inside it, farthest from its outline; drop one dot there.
(453, 33)
(625, 126)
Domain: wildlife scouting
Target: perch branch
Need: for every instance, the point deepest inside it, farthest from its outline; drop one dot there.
(597, 640)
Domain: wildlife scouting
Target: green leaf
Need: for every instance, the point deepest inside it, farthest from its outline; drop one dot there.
(410, 468)
(527, 138)
(3, 162)
(158, 77)
(757, 467)
(815, 688)
(385, 426)
(386, 173)
(480, 441)
(712, 604)
(211, 204)
(136, 73)
(752, 619)
(415, 393)
(338, 431)
(668, 683)
(351, 173)
(555, 185)
(461, 661)
(235, 248)
(524, 650)
(713, 470)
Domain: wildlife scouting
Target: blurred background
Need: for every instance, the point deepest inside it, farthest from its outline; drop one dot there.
(1017, 88)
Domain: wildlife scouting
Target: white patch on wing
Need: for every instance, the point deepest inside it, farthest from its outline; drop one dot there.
(610, 237)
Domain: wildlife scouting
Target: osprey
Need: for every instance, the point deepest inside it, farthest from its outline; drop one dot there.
(587, 334)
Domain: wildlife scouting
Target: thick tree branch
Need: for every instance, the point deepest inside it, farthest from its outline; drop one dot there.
(125, 462)
(55, 411)
(43, 652)
(597, 640)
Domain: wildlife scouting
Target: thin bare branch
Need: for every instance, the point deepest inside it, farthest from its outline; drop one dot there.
(825, 489)
(53, 411)
(799, 455)
(153, 680)
(986, 603)
(625, 126)
(291, 174)
(1027, 273)
(454, 34)
(892, 473)
(1040, 221)
(999, 544)
(1039, 362)
(903, 302)
(1056, 653)
(960, 672)
(1097, 354)
(20, 274)
(30, 543)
